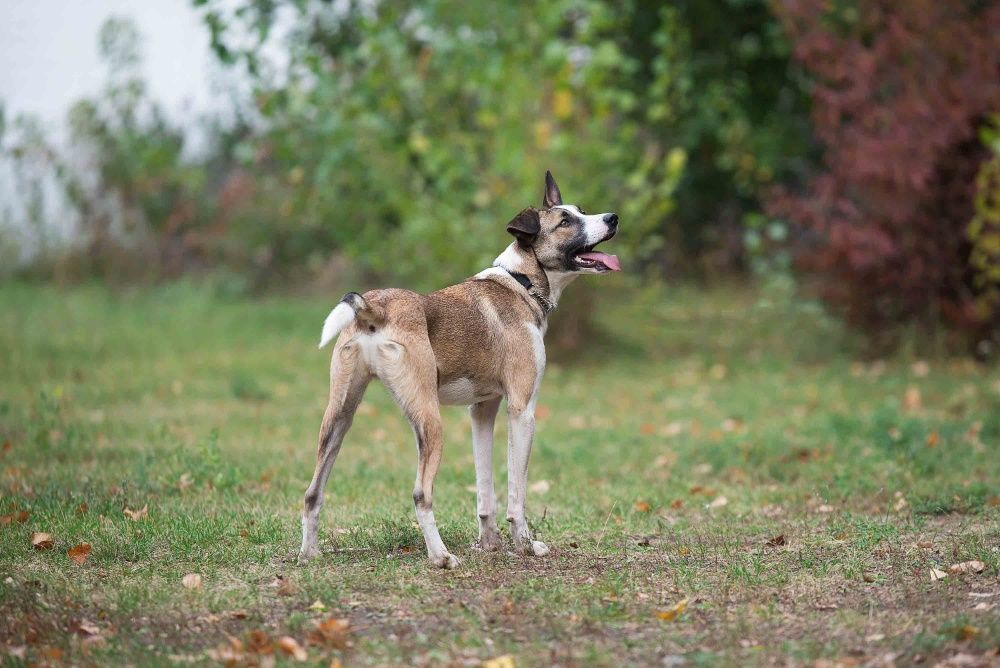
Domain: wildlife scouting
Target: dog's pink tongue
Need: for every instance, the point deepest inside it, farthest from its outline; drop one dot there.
(609, 261)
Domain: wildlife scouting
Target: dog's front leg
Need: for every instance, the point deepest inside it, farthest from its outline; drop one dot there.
(484, 415)
(520, 433)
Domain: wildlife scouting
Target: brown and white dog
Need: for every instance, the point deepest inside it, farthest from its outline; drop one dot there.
(471, 344)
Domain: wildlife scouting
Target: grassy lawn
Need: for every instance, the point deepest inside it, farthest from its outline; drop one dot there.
(713, 448)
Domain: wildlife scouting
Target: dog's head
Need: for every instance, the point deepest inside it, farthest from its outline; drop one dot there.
(563, 236)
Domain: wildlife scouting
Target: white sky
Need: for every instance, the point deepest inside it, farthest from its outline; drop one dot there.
(49, 54)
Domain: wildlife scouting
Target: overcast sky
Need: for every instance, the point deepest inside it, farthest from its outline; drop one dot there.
(49, 55)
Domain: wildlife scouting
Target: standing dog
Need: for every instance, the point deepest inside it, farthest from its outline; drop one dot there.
(469, 344)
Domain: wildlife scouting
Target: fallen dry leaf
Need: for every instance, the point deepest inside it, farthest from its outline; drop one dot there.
(333, 632)
(966, 632)
(540, 487)
(291, 647)
(647, 429)
(824, 508)
(674, 612)
(967, 567)
(641, 507)
(136, 515)
(933, 439)
(542, 412)
(777, 540)
(41, 541)
(21, 516)
(505, 661)
(937, 574)
(79, 552)
(718, 502)
(676, 503)
(83, 627)
(912, 400)
(317, 605)
(191, 581)
(259, 642)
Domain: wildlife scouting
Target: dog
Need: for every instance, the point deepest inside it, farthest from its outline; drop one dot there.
(470, 344)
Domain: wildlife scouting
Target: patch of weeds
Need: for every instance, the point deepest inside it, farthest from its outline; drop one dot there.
(206, 464)
(246, 387)
(863, 532)
(955, 499)
(384, 535)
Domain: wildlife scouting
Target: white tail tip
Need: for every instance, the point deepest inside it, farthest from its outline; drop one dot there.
(341, 316)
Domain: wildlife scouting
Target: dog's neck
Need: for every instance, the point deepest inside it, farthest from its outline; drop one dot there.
(543, 285)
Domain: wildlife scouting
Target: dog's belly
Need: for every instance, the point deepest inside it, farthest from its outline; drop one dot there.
(463, 392)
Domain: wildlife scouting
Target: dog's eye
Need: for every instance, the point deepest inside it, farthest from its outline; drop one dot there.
(566, 220)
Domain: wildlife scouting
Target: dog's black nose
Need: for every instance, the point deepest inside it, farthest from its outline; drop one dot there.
(612, 220)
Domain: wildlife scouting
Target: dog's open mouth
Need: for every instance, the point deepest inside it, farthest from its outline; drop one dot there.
(588, 258)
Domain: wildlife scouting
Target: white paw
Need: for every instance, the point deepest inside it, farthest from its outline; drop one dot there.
(538, 548)
(447, 561)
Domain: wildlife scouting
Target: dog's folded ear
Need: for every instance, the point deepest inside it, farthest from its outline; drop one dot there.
(525, 226)
(552, 196)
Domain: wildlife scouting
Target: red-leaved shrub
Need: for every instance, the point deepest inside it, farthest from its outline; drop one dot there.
(901, 89)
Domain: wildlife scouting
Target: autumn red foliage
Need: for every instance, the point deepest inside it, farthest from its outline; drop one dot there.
(901, 90)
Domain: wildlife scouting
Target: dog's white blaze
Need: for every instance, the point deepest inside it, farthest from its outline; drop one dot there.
(340, 317)
(593, 224)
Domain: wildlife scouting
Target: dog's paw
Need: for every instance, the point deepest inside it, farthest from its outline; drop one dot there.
(532, 548)
(447, 561)
(488, 542)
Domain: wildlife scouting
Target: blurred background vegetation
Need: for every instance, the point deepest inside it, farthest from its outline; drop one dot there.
(846, 150)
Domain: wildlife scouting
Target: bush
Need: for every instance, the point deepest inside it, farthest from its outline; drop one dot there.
(901, 89)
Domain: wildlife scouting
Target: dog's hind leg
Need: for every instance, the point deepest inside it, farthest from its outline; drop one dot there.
(349, 376)
(484, 416)
(410, 373)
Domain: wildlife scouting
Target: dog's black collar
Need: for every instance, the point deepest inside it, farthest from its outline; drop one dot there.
(526, 283)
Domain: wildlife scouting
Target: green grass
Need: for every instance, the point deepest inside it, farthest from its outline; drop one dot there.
(700, 428)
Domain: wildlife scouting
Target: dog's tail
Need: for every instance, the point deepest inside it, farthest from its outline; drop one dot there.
(353, 306)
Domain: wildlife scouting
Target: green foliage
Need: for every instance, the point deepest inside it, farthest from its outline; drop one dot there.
(984, 229)
(408, 137)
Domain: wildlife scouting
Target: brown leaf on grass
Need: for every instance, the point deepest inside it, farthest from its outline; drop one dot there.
(79, 552)
(542, 412)
(912, 399)
(259, 642)
(53, 654)
(974, 566)
(41, 541)
(676, 503)
(20, 517)
(933, 439)
(7, 447)
(718, 502)
(332, 632)
(641, 507)
(505, 661)
(136, 515)
(647, 429)
(191, 581)
(287, 588)
(937, 574)
(966, 632)
(85, 628)
(540, 487)
(674, 612)
(82, 509)
(777, 540)
(292, 648)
